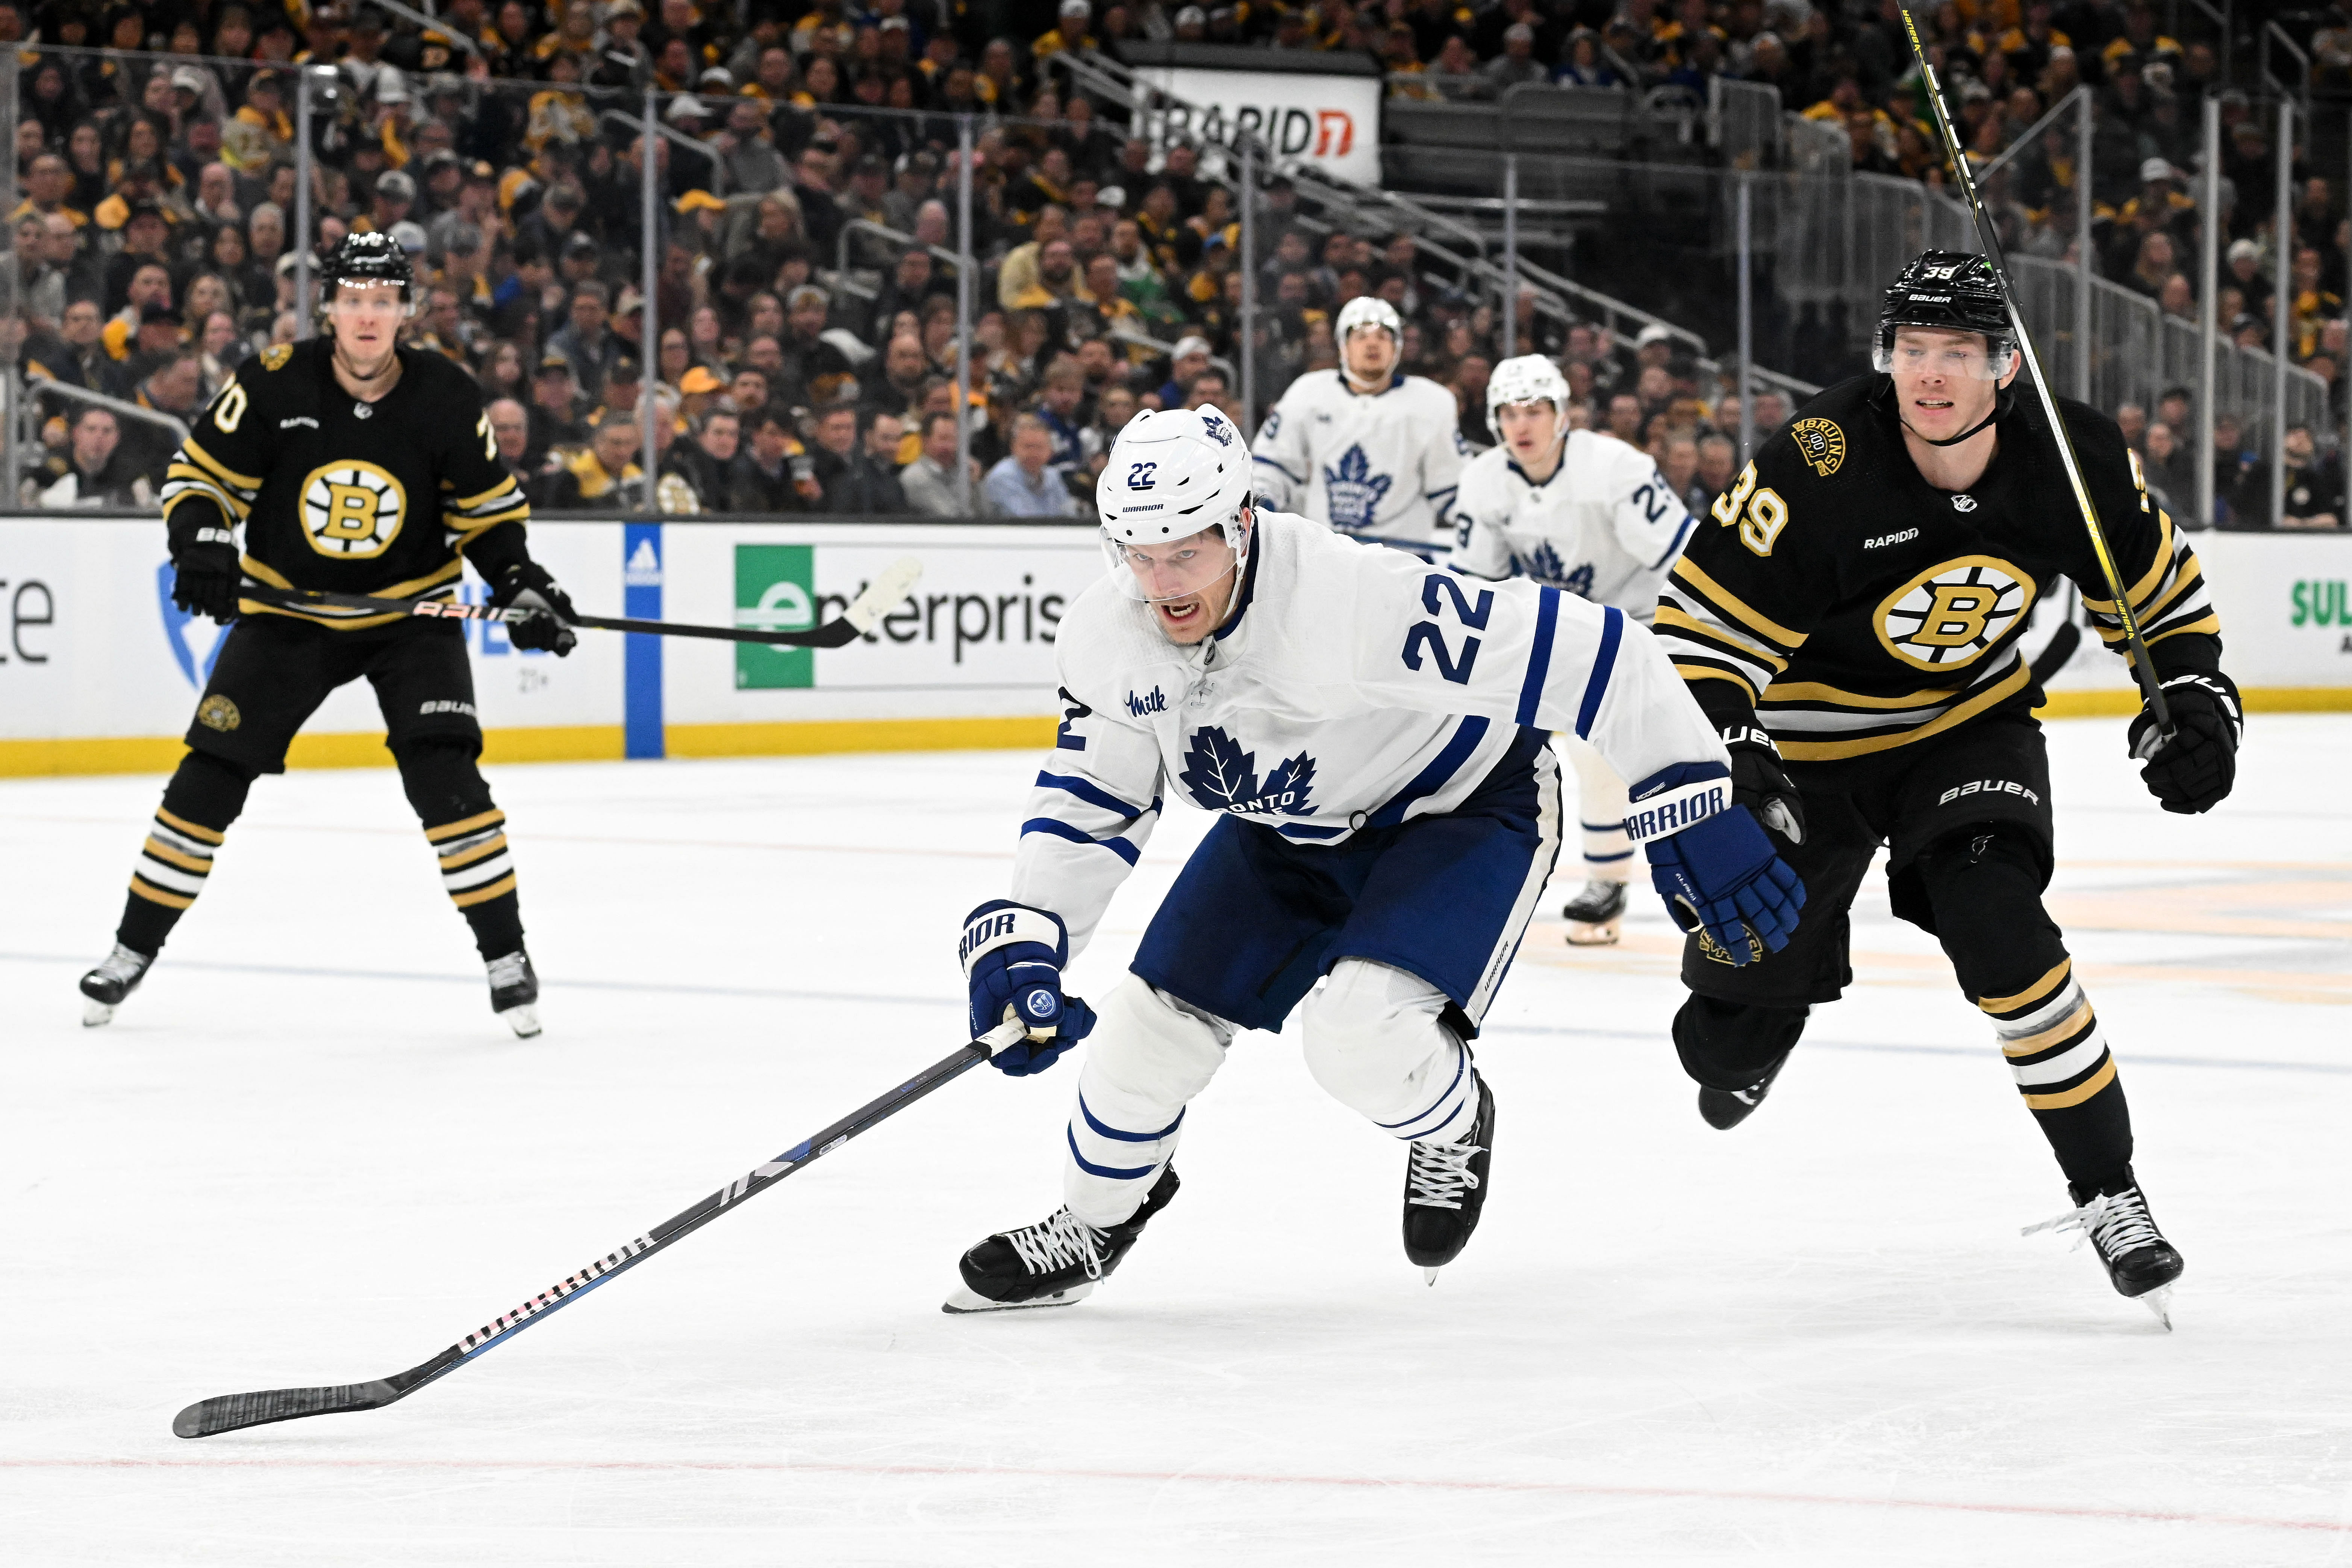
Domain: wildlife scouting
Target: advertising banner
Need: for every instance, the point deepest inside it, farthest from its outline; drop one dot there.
(1327, 124)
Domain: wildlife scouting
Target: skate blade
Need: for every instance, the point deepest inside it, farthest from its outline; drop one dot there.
(2159, 1302)
(966, 1300)
(523, 1020)
(1604, 934)
(1429, 1276)
(94, 1013)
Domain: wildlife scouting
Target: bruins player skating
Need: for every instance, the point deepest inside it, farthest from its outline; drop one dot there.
(1850, 621)
(1583, 512)
(357, 466)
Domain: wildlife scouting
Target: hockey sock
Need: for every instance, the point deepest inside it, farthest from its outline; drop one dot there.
(2012, 963)
(1376, 1038)
(1730, 1045)
(1149, 1055)
(468, 833)
(205, 796)
(1608, 852)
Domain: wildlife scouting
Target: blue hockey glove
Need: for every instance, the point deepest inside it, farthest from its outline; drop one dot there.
(1012, 958)
(1711, 862)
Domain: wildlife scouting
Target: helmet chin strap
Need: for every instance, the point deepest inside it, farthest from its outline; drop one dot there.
(2003, 400)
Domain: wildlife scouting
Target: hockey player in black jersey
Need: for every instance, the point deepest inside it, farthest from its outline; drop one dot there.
(1851, 620)
(357, 466)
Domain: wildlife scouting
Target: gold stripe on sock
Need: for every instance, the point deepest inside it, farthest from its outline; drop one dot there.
(2033, 993)
(201, 834)
(475, 823)
(2071, 1024)
(2077, 1095)
(170, 856)
(154, 895)
(464, 858)
(505, 885)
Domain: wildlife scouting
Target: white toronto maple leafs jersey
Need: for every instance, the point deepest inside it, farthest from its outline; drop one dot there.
(1605, 526)
(1381, 469)
(1355, 688)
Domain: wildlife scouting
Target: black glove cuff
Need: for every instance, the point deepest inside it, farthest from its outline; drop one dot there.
(496, 552)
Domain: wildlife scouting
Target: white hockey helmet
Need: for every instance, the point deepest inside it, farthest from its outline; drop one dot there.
(1172, 474)
(1368, 311)
(1530, 378)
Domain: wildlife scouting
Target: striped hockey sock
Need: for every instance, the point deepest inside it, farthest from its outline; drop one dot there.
(171, 871)
(1608, 852)
(2050, 1037)
(480, 877)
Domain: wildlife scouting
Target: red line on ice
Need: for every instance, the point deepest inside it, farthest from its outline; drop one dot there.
(1572, 1488)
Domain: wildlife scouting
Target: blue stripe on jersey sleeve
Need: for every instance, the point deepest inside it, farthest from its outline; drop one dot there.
(1093, 795)
(1689, 521)
(1436, 776)
(1260, 457)
(1612, 630)
(1539, 658)
(1056, 828)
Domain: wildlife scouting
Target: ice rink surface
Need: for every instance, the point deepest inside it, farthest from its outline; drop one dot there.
(305, 1152)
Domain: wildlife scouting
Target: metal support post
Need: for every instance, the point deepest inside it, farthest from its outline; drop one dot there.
(1510, 254)
(13, 401)
(2209, 283)
(2344, 359)
(2282, 303)
(1747, 322)
(2084, 271)
(649, 271)
(1249, 286)
(305, 171)
(963, 315)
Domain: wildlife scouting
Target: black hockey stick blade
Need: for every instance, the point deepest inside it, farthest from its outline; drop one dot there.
(879, 598)
(235, 1412)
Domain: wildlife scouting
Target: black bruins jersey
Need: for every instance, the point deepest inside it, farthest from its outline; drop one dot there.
(379, 498)
(1858, 608)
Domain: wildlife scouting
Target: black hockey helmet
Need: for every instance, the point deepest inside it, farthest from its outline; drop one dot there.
(367, 258)
(1956, 291)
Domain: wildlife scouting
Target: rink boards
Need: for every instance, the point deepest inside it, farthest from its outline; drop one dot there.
(98, 672)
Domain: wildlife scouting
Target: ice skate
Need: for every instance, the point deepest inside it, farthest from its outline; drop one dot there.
(1053, 1263)
(1596, 917)
(514, 992)
(1724, 1109)
(2140, 1263)
(105, 987)
(1444, 1189)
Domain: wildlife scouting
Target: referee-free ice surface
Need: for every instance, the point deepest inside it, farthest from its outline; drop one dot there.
(305, 1152)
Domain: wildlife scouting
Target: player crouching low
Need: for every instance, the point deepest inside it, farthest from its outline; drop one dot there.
(1373, 734)
(356, 467)
(1587, 514)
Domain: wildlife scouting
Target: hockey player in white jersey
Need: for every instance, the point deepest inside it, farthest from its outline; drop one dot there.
(1374, 453)
(1374, 732)
(1587, 514)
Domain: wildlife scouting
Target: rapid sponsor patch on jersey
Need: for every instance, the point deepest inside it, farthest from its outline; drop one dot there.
(1821, 442)
(1950, 613)
(1353, 491)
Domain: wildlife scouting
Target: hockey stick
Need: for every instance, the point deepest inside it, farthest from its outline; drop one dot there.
(2159, 734)
(881, 597)
(231, 1412)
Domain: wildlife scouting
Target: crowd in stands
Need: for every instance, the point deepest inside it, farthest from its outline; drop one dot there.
(806, 319)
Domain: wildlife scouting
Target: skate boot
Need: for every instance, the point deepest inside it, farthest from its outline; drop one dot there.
(1053, 1263)
(1444, 1188)
(1724, 1109)
(1596, 916)
(514, 992)
(2140, 1261)
(117, 975)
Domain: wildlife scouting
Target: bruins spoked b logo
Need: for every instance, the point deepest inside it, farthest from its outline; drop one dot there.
(1947, 615)
(352, 510)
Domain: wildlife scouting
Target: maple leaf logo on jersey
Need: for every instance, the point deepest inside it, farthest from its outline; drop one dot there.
(1223, 776)
(1353, 491)
(1543, 565)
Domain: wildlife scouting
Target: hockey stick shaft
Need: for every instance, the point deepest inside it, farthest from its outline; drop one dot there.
(231, 1412)
(2143, 669)
(877, 600)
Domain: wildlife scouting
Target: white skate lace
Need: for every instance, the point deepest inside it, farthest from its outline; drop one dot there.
(1439, 1174)
(1058, 1243)
(121, 964)
(2116, 1223)
(507, 971)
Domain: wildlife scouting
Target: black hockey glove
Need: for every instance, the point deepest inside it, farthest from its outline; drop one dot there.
(1759, 782)
(205, 575)
(2194, 773)
(526, 585)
